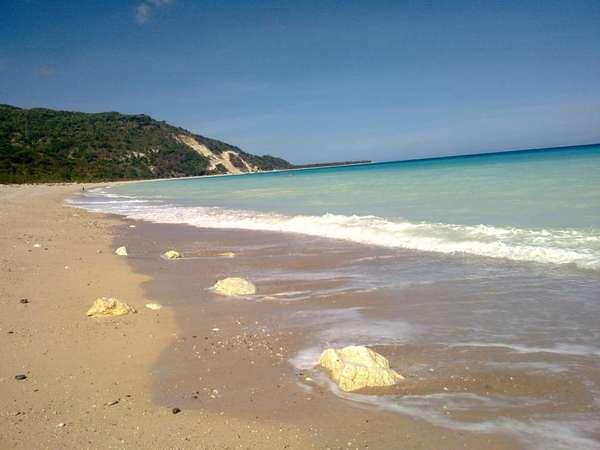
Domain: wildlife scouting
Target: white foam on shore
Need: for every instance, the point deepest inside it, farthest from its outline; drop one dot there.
(536, 433)
(580, 247)
(340, 327)
(559, 349)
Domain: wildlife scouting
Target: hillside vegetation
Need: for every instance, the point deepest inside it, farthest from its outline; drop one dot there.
(44, 145)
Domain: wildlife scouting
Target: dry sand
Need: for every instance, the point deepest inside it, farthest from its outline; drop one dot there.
(113, 383)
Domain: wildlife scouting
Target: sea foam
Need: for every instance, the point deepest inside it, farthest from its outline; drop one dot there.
(579, 247)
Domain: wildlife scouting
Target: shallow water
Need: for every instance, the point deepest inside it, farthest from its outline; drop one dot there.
(539, 206)
(485, 267)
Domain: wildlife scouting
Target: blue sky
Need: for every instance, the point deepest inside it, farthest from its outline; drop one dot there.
(318, 80)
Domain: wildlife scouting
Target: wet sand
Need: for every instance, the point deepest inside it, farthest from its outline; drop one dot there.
(232, 356)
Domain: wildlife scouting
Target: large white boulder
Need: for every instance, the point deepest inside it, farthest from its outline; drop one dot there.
(121, 251)
(108, 307)
(234, 287)
(356, 367)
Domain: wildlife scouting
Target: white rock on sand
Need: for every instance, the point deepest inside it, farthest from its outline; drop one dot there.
(121, 251)
(108, 307)
(154, 306)
(172, 254)
(357, 367)
(234, 287)
(227, 255)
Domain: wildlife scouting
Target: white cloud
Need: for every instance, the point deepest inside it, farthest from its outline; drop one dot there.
(145, 10)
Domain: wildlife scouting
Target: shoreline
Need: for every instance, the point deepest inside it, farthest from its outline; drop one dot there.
(224, 362)
(97, 383)
(89, 381)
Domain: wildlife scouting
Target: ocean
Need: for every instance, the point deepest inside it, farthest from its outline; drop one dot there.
(540, 206)
(489, 261)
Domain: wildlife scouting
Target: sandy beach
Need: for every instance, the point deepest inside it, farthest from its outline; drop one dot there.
(89, 382)
(113, 383)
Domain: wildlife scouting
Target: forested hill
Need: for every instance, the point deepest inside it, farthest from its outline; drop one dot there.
(44, 145)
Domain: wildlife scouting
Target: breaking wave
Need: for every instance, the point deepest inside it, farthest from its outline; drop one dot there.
(579, 247)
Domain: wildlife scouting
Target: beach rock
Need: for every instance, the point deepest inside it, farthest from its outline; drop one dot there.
(24, 301)
(121, 251)
(357, 367)
(108, 307)
(154, 306)
(20, 377)
(176, 410)
(227, 255)
(234, 287)
(172, 254)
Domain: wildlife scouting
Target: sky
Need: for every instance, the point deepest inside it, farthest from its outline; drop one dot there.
(316, 81)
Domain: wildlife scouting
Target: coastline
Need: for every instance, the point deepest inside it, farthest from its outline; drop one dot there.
(78, 367)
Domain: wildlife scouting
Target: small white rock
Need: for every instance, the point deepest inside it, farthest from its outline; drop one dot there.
(37, 245)
(154, 306)
(121, 251)
(172, 254)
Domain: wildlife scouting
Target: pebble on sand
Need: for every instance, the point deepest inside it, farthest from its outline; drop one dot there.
(227, 255)
(154, 306)
(107, 307)
(24, 301)
(121, 251)
(176, 410)
(20, 377)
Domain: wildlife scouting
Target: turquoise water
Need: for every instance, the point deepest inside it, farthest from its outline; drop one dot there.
(495, 253)
(539, 205)
(558, 188)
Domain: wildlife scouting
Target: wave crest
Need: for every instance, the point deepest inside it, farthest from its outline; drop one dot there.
(580, 247)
